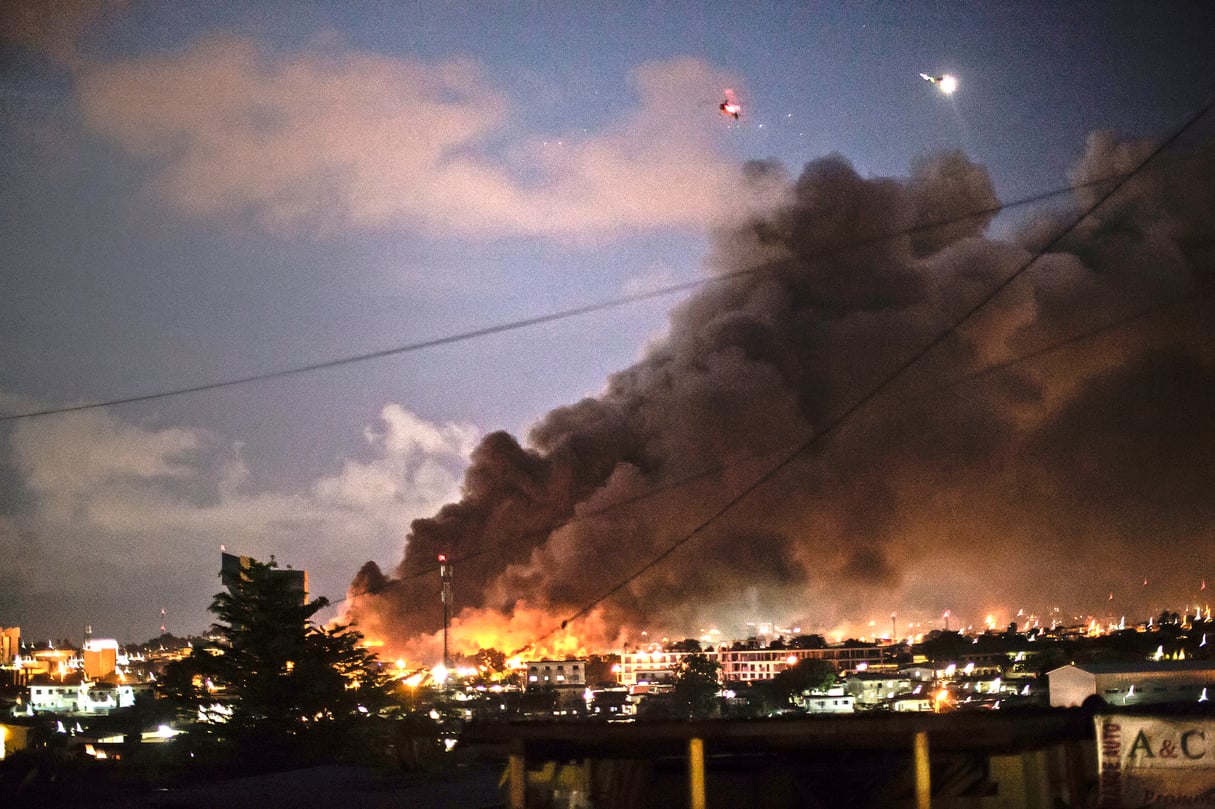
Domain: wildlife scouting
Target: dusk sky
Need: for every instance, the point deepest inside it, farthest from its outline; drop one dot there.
(197, 193)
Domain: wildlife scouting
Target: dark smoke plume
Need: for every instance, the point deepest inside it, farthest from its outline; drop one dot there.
(1050, 481)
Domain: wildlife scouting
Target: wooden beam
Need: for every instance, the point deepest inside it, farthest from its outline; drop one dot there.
(696, 773)
(923, 772)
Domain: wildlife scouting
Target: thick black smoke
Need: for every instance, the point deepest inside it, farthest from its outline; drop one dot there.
(1049, 481)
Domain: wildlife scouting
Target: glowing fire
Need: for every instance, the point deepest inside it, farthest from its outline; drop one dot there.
(527, 633)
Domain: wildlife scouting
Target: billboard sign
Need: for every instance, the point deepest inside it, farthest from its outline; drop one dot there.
(1151, 761)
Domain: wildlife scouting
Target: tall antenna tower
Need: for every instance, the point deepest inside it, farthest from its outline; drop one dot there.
(445, 576)
(163, 631)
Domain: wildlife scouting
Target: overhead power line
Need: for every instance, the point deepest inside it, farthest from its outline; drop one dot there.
(551, 317)
(881, 386)
(674, 485)
(979, 373)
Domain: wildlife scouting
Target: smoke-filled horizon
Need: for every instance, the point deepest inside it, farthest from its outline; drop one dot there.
(1050, 481)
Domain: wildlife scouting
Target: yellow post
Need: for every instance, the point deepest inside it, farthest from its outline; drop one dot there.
(696, 773)
(923, 773)
(518, 779)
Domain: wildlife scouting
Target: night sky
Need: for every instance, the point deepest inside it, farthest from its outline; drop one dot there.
(191, 194)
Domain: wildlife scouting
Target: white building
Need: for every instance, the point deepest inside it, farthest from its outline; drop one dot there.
(746, 665)
(557, 673)
(871, 689)
(833, 700)
(920, 702)
(80, 698)
(919, 674)
(1133, 683)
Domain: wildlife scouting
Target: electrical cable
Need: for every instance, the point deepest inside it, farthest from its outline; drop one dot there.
(550, 317)
(881, 386)
(985, 371)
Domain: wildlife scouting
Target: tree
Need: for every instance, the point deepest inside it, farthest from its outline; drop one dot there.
(758, 698)
(697, 686)
(809, 642)
(273, 680)
(1051, 657)
(940, 646)
(811, 674)
(601, 669)
(685, 645)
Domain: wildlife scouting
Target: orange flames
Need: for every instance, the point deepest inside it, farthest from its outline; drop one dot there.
(528, 633)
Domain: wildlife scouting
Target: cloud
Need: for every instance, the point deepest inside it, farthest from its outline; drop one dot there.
(140, 511)
(321, 140)
(53, 26)
(83, 454)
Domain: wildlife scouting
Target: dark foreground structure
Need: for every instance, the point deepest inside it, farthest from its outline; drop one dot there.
(993, 760)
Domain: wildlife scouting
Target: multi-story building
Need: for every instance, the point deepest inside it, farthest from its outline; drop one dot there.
(745, 665)
(79, 698)
(232, 571)
(873, 689)
(556, 673)
(100, 658)
(10, 644)
(10, 657)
